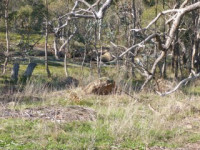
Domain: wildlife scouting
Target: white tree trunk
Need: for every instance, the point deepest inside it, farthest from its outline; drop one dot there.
(7, 36)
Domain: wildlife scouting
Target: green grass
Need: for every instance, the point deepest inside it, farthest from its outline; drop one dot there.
(122, 122)
(119, 124)
(25, 134)
(15, 38)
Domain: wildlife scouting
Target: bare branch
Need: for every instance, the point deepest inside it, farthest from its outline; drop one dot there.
(176, 22)
(84, 13)
(103, 8)
(190, 78)
(67, 41)
(184, 3)
(141, 44)
(156, 19)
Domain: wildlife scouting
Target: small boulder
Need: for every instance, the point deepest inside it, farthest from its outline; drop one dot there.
(106, 57)
(103, 86)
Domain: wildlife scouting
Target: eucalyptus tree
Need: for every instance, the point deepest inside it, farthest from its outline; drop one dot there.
(81, 9)
(6, 5)
(46, 38)
(174, 18)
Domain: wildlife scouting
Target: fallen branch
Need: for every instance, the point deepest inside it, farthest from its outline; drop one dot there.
(190, 78)
(153, 110)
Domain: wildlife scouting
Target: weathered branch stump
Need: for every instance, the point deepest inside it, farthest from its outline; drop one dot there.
(14, 72)
(29, 71)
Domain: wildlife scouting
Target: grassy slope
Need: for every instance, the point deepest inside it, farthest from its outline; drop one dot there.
(16, 38)
(122, 122)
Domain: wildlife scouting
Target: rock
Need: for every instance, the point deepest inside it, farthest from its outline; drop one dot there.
(103, 86)
(71, 82)
(106, 57)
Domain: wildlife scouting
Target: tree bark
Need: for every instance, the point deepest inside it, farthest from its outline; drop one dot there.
(46, 41)
(14, 73)
(133, 35)
(164, 67)
(65, 65)
(176, 55)
(7, 37)
(56, 47)
(29, 70)
(100, 44)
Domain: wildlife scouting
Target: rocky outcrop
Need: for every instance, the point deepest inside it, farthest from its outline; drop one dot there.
(103, 86)
(105, 57)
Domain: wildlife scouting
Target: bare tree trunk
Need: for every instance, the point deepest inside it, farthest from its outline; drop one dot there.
(7, 37)
(177, 53)
(14, 73)
(84, 56)
(95, 45)
(65, 65)
(173, 59)
(66, 50)
(100, 44)
(46, 42)
(91, 68)
(193, 56)
(164, 67)
(198, 42)
(56, 47)
(133, 35)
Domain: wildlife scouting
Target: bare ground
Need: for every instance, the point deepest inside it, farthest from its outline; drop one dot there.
(69, 114)
(65, 114)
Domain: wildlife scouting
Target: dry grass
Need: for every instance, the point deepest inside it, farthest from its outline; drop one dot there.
(128, 120)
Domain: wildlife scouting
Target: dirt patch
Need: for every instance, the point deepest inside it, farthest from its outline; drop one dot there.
(192, 146)
(66, 114)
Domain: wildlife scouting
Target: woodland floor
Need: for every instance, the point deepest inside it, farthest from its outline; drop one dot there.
(35, 116)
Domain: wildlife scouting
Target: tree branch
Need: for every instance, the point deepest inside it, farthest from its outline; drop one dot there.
(190, 78)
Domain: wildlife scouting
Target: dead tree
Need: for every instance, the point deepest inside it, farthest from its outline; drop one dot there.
(65, 46)
(7, 36)
(163, 46)
(78, 11)
(46, 41)
(192, 76)
(133, 34)
(196, 41)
